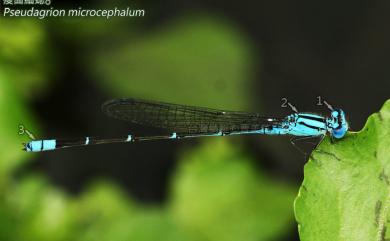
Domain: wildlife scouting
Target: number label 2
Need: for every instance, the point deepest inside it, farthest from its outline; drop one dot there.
(284, 103)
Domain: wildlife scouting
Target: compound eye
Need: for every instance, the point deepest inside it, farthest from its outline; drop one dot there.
(340, 126)
(339, 133)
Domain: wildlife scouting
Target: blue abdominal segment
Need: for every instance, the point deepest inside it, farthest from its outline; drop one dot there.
(40, 145)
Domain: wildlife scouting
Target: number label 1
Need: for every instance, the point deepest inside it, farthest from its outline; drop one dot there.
(319, 100)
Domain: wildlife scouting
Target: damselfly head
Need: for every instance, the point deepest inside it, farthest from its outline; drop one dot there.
(338, 123)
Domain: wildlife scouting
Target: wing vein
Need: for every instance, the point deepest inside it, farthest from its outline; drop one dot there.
(183, 118)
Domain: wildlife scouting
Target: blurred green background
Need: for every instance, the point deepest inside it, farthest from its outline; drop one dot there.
(55, 73)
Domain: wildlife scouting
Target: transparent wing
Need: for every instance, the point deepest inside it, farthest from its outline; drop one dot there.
(185, 119)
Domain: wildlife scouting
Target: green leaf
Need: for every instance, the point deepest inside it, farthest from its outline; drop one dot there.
(24, 55)
(219, 195)
(195, 60)
(106, 213)
(345, 194)
(13, 112)
(102, 202)
(148, 224)
(41, 210)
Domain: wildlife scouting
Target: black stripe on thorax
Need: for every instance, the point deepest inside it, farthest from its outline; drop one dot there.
(320, 119)
(310, 126)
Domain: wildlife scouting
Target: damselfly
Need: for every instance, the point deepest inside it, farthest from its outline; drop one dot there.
(184, 121)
